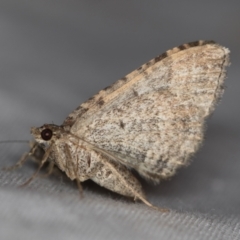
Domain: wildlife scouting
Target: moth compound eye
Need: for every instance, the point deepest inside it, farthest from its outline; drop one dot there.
(46, 134)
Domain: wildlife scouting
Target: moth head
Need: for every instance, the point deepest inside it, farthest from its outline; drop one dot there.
(47, 134)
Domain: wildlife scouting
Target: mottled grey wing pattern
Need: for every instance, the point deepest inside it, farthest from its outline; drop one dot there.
(153, 119)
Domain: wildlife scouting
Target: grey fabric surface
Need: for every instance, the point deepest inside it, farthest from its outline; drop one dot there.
(56, 54)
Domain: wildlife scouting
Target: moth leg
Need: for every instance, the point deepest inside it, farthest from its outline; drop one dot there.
(45, 157)
(80, 189)
(72, 167)
(23, 159)
(38, 152)
(50, 169)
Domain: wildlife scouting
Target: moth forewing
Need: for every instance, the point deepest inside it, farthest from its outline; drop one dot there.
(153, 119)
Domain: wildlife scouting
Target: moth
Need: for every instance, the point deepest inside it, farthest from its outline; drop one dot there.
(152, 120)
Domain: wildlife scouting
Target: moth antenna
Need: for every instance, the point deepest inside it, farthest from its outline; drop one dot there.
(14, 141)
